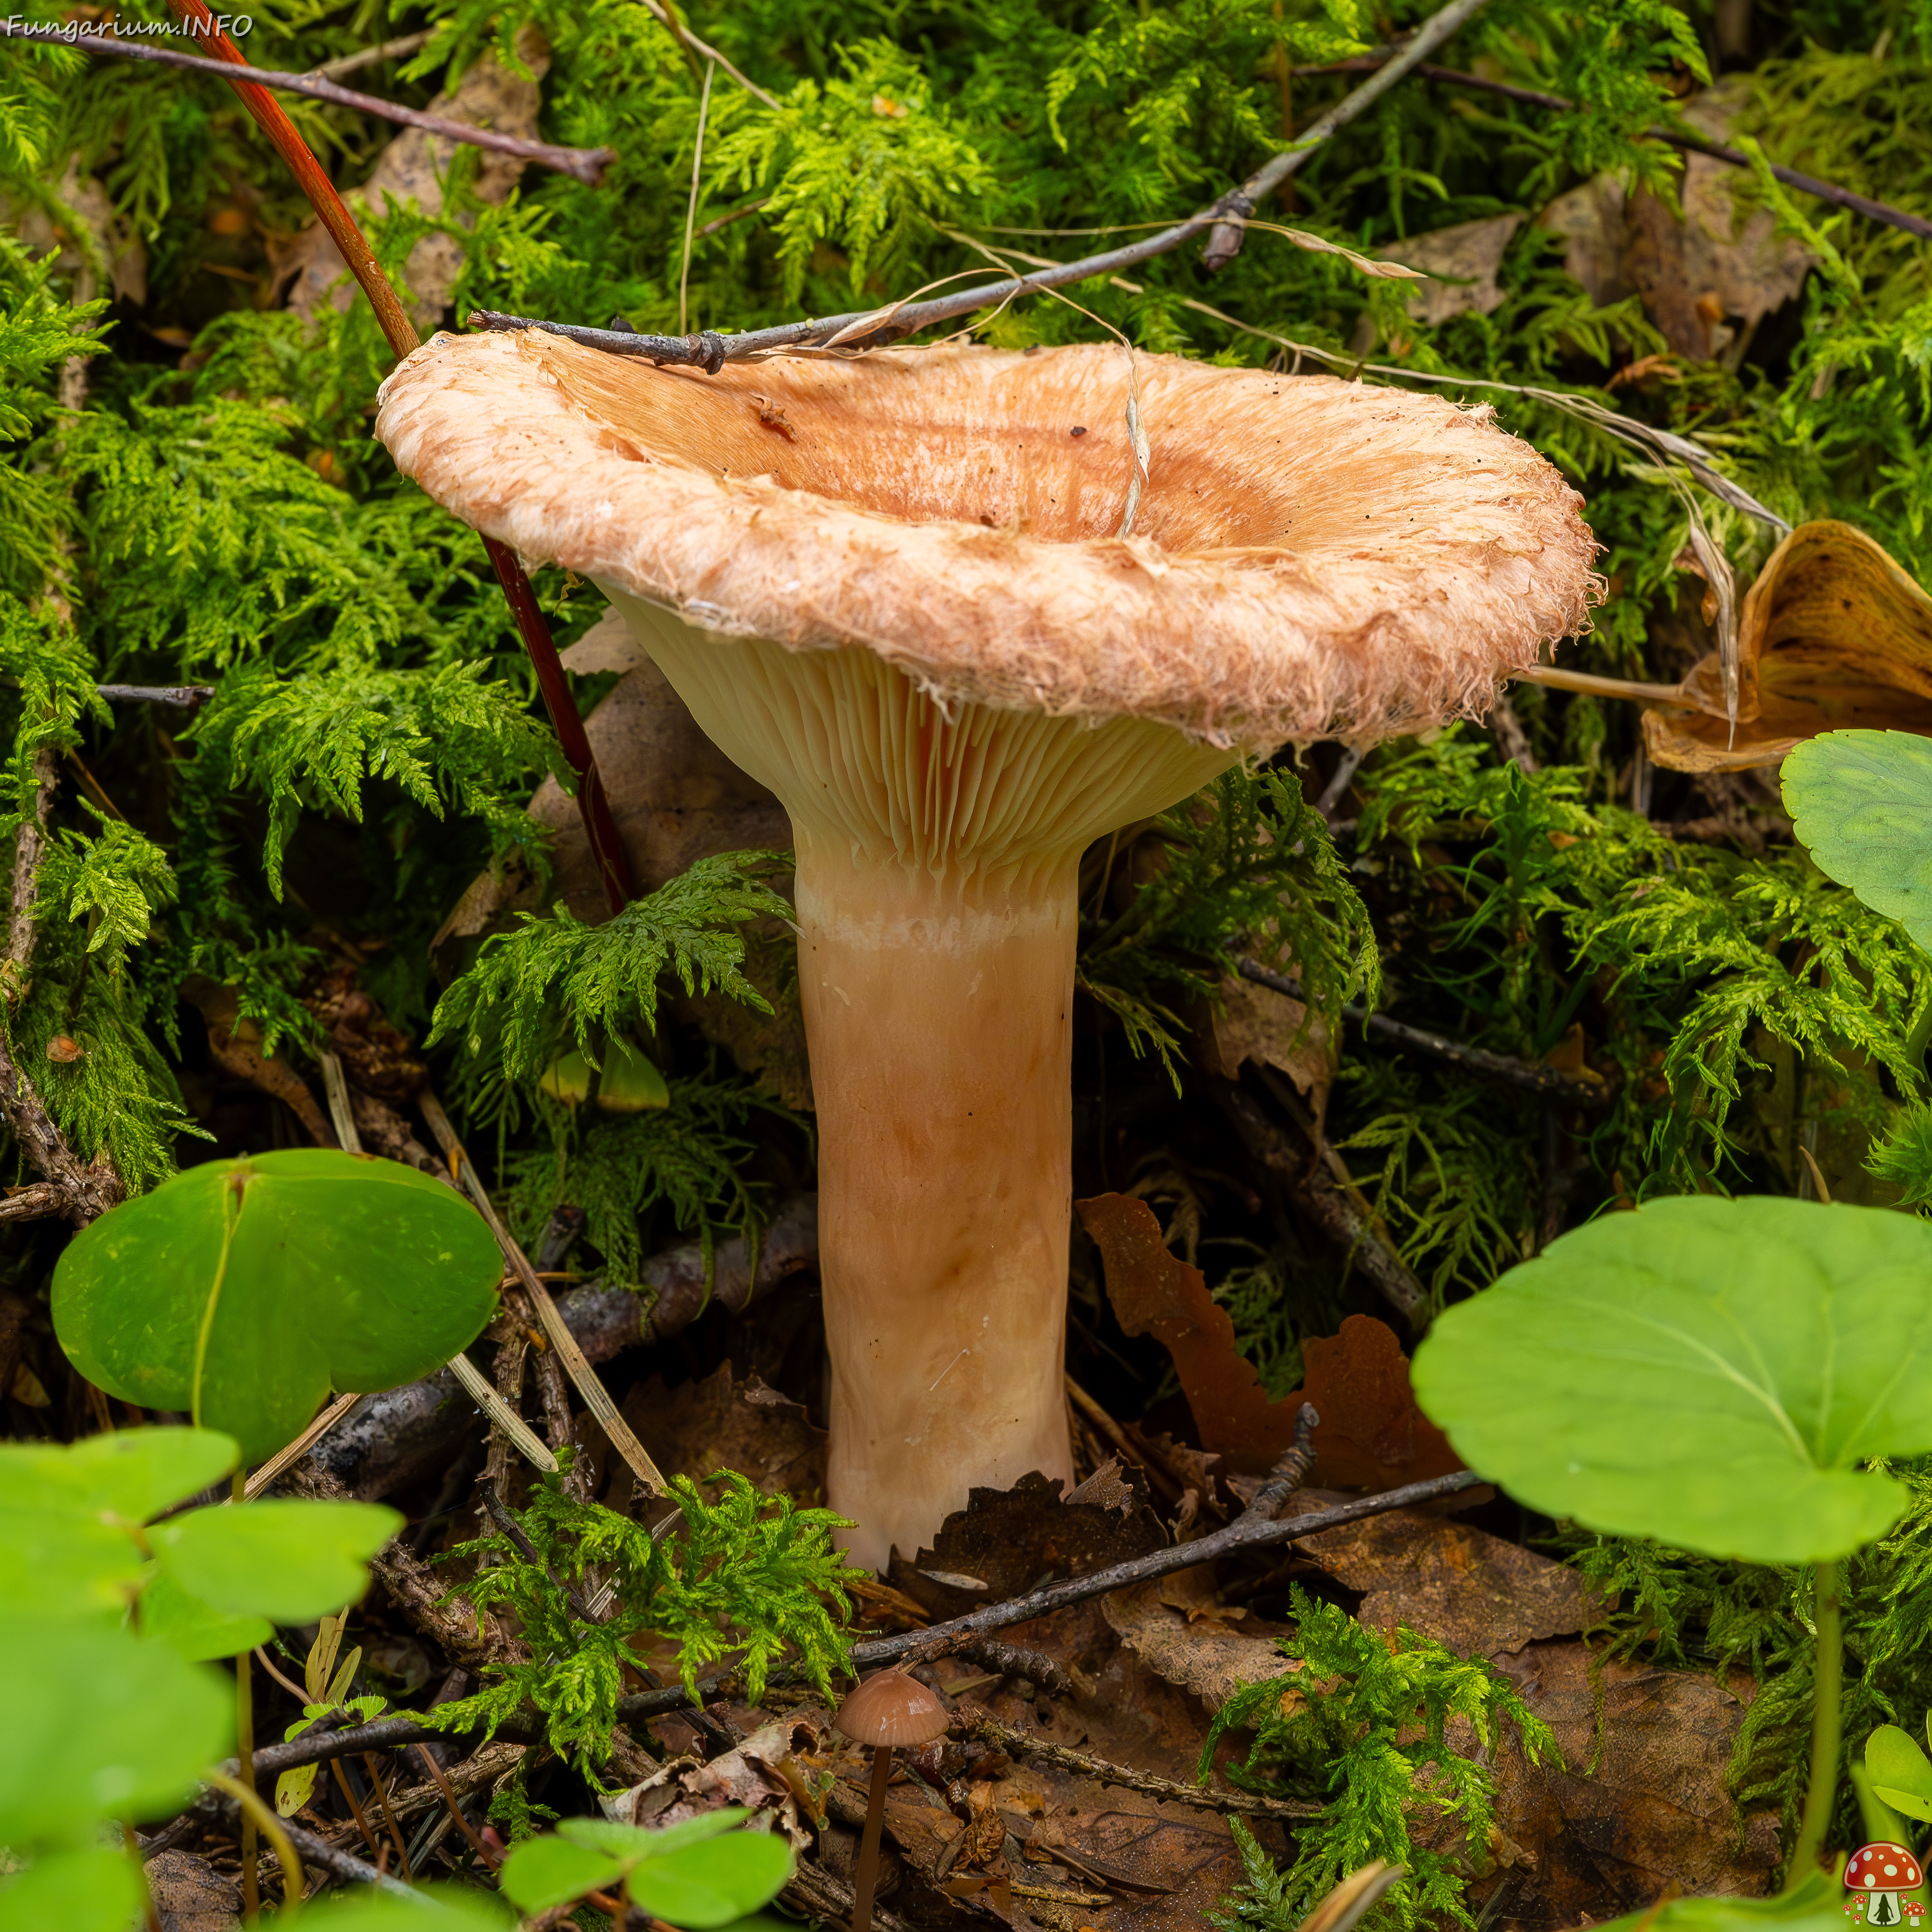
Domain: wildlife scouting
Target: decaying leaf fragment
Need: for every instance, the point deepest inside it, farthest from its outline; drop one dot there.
(1372, 1435)
(1834, 634)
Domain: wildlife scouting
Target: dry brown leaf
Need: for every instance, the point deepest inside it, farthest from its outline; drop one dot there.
(1480, 1595)
(190, 1895)
(1211, 1662)
(1703, 277)
(1709, 274)
(236, 1045)
(1833, 634)
(1009, 1540)
(720, 1423)
(1606, 1835)
(412, 167)
(1462, 261)
(1254, 1023)
(752, 1775)
(1372, 1435)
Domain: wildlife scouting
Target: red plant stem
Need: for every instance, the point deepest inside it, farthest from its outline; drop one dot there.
(606, 847)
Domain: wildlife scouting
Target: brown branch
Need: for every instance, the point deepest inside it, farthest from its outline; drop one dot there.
(1330, 1201)
(872, 327)
(1545, 1081)
(29, 844)
(977, 1723)
(1253, 1530)
(584, 164)
(1676, 137)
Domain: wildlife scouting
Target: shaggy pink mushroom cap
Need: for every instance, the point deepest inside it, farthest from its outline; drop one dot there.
(1308, 556)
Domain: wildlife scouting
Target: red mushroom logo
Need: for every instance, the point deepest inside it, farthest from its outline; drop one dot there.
(1875, 1875)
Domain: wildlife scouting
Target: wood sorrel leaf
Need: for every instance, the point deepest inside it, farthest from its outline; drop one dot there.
(1709, 1372)
(1862, 801)
(1900, 1771)
(68, 1516)
(290, 1561)
(96, 1891)
(711, 1884)
(244, 1291)
(99, 1725)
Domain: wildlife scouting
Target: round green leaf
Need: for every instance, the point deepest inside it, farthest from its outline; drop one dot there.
(79, 1891)
(639, 1841)
(193, 1629)
(290, 1561)
(1900, 1771)
(67, 1515)
(1862, 802)
(436, 1908)
(541, 1873)
(711, 1883)
(244, 1291)
(1708, 1373)
(1813, 1904)
(100, 1725)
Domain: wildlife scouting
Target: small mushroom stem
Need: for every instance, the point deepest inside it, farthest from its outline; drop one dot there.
(865, 1876)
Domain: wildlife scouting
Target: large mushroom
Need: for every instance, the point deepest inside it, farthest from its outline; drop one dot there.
(893, 587)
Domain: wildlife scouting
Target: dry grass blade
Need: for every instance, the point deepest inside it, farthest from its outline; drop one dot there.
(1357, 1895)
(502, 1416)
(596, 1396)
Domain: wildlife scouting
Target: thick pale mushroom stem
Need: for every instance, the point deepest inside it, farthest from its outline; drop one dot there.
(938, 850)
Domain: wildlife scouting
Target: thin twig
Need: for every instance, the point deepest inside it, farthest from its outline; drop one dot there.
(1528, 1074)
(981, 1723)
(364, 57)
(1676, 137)
(176, 697)
(584, 164)
(1328, 1200)
(870, 327)
(596, 1396)
(1252, 1530)
(691, 209)
(300, 1447)
(702, 50)
(462, 1824)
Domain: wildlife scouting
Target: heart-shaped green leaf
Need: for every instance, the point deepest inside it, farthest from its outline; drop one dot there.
(78, 1891)
(446, 1908)
(67, 1516)
(711, 1883)
(244, 1291)
(1709, 1372)
(100, 1725)
(541, 1873)
(639, 1841)
(1900, 1771)
(289, 1562)
(1811, 1905)
(193, 1629)
(1862, 802)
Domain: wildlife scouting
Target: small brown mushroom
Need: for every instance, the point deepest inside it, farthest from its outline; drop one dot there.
(960, 643)
(887, 1709)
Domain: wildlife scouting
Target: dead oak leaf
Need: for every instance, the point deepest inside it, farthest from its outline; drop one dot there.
(1372, 1435)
